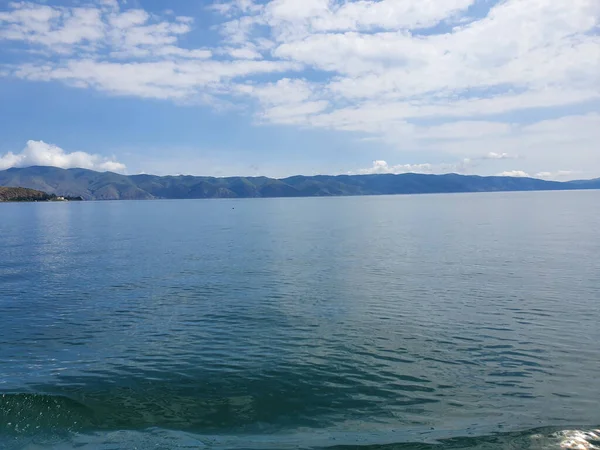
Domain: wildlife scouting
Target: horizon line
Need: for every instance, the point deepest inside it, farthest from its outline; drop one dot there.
(301, 175)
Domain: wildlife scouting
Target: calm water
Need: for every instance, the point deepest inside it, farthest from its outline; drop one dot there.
(443, 321)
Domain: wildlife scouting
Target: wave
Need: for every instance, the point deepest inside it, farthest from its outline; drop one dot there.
(37, 421)
(539, 439)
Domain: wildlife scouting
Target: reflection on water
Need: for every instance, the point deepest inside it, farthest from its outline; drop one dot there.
(440, 320)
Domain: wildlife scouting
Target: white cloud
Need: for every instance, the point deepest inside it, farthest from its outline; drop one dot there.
(516, 43)
(514, 173)
(247, 52)
(287, 101)
(558, 175)
(110, 3)
(124, 52)
(534, 54)
(289, 114)
(380, 167)
(413, 74)
(92, 28)
(522, 56)
(39, 153)
(162, 79)
(292, 17)
(284, 91)
(464, 167)
(494, 155)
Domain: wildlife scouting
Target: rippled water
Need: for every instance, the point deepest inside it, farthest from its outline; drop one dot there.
(443, 321)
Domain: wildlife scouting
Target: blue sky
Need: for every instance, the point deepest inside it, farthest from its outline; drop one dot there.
(284, 87)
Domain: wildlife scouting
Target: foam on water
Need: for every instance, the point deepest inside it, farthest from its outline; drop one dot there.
(579, 440)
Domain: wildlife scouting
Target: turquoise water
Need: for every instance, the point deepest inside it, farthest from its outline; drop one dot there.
(429, 322)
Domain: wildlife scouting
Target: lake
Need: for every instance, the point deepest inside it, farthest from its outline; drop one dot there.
(393, 322)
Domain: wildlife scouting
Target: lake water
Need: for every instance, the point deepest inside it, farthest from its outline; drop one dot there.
(429, 322)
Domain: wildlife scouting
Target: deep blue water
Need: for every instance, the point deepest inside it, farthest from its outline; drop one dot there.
(431, 321)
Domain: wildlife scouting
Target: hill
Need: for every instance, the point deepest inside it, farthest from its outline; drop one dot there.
(19, 194)
(92, 185)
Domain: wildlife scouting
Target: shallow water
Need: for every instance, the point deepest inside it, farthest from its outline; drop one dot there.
(442, 321)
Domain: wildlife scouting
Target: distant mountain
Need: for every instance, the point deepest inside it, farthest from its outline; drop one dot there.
(586, 184)
(92, 185)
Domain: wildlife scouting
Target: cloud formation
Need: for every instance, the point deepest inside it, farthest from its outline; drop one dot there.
(494, 155)
(39, 153)
(558, 175)
(380, 167)
(465, 78)
(515, 174)
(123, 52)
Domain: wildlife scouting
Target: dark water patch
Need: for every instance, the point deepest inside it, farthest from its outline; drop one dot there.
(22, 413)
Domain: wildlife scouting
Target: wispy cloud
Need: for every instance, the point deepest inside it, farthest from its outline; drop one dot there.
(124, 52)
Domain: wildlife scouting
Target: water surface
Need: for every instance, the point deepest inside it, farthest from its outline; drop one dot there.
(431, 321)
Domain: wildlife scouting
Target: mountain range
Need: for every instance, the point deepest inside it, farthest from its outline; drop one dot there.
(91, 185)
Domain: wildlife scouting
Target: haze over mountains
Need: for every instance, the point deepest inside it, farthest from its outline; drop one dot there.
(91, 185)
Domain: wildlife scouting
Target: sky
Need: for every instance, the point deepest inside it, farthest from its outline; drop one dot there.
(285, 87)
